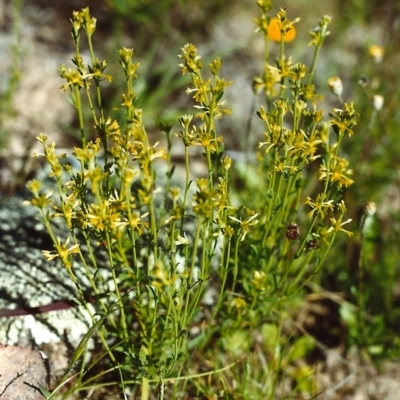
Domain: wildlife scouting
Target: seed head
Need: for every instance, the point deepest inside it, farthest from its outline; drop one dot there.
(370, 208)
(312, 244)
(293, 231)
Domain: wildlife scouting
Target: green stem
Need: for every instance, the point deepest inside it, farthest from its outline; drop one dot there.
(185, 194)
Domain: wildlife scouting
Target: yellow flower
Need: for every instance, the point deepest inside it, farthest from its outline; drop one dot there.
(259, 280)
(245, 225)
(337, 172)
(62, 251)
(319, 206)
(337, 225)
(275, 31)
(239, 303)
(182, 240)
(376, 52)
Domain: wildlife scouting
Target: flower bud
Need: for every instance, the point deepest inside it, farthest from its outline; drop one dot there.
(377, 102)
(336, 86)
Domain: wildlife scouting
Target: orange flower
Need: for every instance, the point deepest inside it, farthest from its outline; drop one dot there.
(274, 31)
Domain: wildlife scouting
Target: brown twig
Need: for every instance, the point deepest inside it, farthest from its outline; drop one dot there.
(55, 306)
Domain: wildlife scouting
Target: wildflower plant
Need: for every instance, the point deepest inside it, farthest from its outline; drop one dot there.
(153, 248)
(296, 138)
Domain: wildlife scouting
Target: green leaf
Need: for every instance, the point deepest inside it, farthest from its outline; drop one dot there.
(300, 348)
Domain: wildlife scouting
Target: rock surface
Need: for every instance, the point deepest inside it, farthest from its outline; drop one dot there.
(28, 282)
(22, 373)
